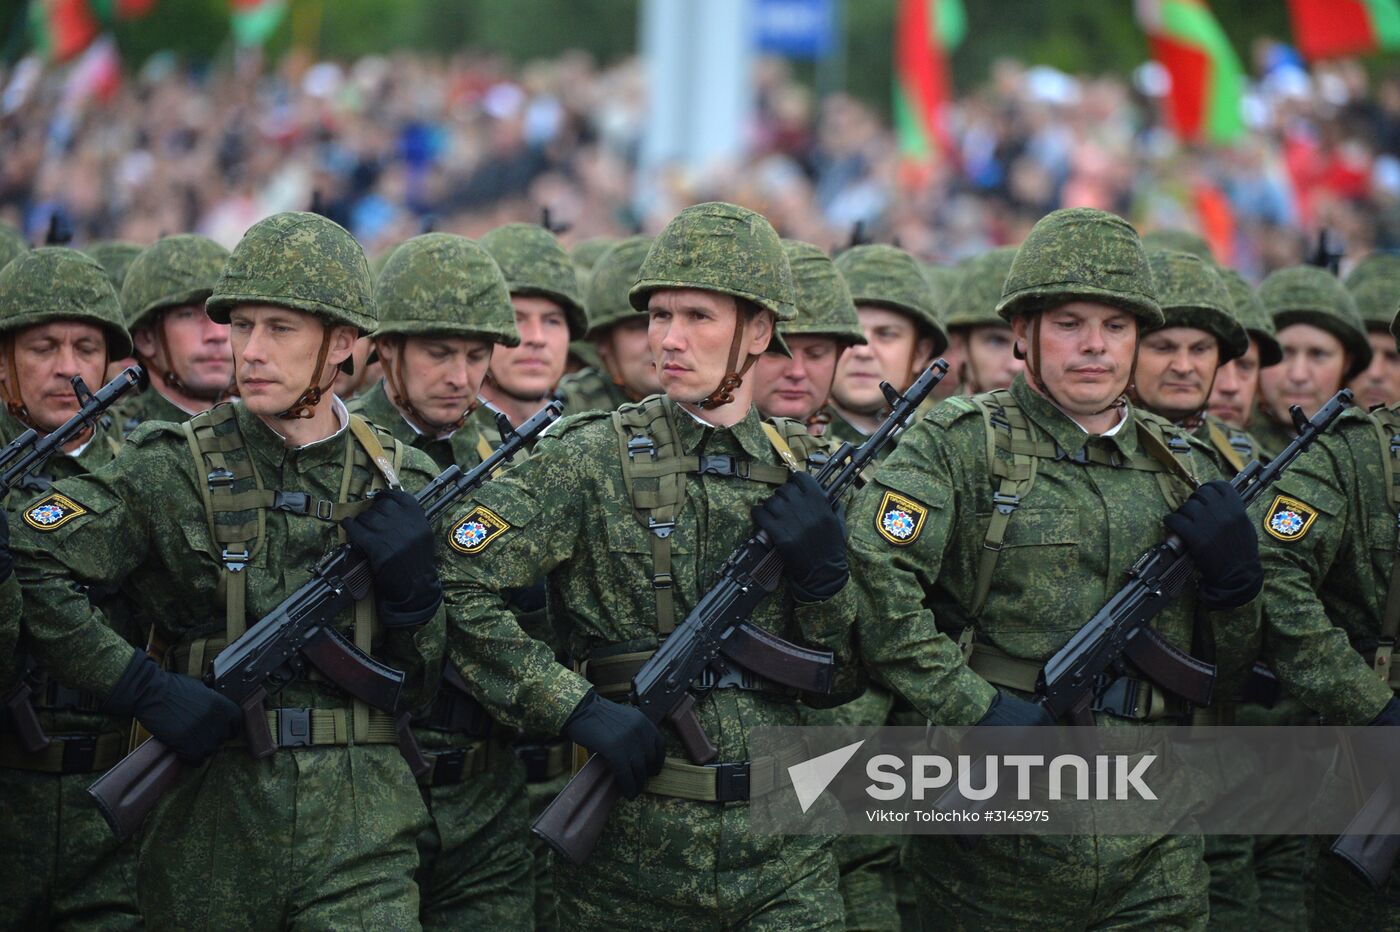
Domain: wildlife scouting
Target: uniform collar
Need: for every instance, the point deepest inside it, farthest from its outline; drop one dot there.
(268, 441)
(692, 434)
(1065, 431)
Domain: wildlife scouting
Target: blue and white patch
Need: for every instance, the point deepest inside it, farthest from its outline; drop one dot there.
(1289, 519)
(473, 533)
(900, 519)
(52, 512)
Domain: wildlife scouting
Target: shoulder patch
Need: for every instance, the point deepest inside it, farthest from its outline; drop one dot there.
(477, 530)
(52, 512)
(900, 519)
(1289, 519)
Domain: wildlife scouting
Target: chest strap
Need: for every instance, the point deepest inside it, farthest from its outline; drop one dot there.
(1388, 433)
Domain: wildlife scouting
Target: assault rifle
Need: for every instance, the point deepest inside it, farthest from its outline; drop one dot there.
(716, 634)
(1074, 677)
(300, 631)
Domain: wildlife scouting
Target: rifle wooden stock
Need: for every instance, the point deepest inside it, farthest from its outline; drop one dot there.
(573, 821)
(23, 718)
(126, 796)
(697, 744)
(1371, 842)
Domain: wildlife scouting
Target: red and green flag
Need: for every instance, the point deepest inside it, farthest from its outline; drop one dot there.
(926, 32)
(1329, 28)
(254, 21)
(61, 29)
(1207, 78)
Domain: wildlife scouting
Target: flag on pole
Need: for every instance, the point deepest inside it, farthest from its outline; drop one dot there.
(254, 21)
(1207, 78)
(1329, 28)
(62, 28)
(926, 32)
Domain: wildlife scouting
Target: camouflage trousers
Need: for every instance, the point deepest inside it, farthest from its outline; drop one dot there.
(1259, 882)
(1342, 900)
(673, 864)
(541, 795)
(61, 864)
(321, 838)
(474, 867)
(1054, 882)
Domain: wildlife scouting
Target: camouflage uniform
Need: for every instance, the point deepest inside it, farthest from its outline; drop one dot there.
(322, 835)
(66, 867)
(605, 300)
(1065, 548)
(11, 245)
(1178, 241)
(175, 272)
(115, 257)
(474, 869)
(663, 860)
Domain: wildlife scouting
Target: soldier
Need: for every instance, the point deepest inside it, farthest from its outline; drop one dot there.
(1237, 381)
(902, 330)
(624, 372)
(209, 524)
(713, 285)
(548, 314)
(115, 257)
(978, 339)
(359, 374)
(1375, 287)
(59, 317)
(1087, 482)
(443, 306)
(942, 279)
(185, 354)
(1324, 347)
(585, 255)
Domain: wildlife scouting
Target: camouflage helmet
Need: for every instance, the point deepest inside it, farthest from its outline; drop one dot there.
(888, 277)
(1306, 294)
(973, 300)
(1178, 241)
(534, 263)
(942, 279)
(57, 283)
(11, 245)
(824, 304)
(441, 283)
(1080, 254)
(1250, 312)
(585, 256)
(176, 271)
(613, 273)
(722, 248)
(1375, 287)
(115, 257)
(301, 261)
(1192, 294)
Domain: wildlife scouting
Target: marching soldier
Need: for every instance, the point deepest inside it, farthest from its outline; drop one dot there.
(115, 257)
(210, 524)
(1375, 287)
(1237, 381)
(979, 340)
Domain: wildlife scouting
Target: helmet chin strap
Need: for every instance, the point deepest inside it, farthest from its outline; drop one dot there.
(393, 377)
(165, 369)
(1033, 370)
(305, 405)
(734, 375)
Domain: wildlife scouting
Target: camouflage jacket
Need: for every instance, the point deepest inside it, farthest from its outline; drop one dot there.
(590, 390)
(150, 405)
(1327, 539)
(139, 522)
(565, 512)
(1233, 448)
(463, 446)
(918, 531)
(1271, 435)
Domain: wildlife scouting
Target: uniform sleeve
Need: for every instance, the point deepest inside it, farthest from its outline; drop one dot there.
(419, 652)
(512, 532)
(901, 524)
(85, 530)
(1313, 658)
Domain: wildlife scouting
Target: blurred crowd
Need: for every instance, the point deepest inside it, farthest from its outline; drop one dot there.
(390, 146)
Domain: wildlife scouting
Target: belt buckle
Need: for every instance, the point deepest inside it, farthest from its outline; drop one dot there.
(79, 752)
(294, 728)
(731, 781)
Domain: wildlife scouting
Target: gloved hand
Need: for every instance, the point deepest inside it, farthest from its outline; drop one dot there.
(1220, 538)
(810, 536)
(7, 560)
(1390, 715)
(187, 716)
(1006, 709)
(394, 535)
(620, 734)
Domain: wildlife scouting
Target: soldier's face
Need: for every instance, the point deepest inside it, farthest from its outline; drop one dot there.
(796, 387)
(348, 383)
(532, 369)
(1380, 383)
(1085, 353)
(1313, 366)
(988, 360)
(440, 375)
(46, 358)
(1175, 368)
(275, 351)
(626, 350)
(199, 349)
(894, 353)
(1236, 384)
(690, 333)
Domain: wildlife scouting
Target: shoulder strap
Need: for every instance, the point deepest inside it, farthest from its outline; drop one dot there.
(361, 430)
(1388, 432)
(1173, 455)
(1225, 445)
(1013, 451)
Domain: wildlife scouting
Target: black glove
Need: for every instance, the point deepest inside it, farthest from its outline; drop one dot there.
(1390, 715)
(1008, 710)
(620, 734)
(1220, 538)
(394, 535)
(810, 536)
(187, 716)
(7, 560)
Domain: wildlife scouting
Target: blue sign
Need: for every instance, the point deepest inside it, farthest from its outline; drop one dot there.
(795, 28)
